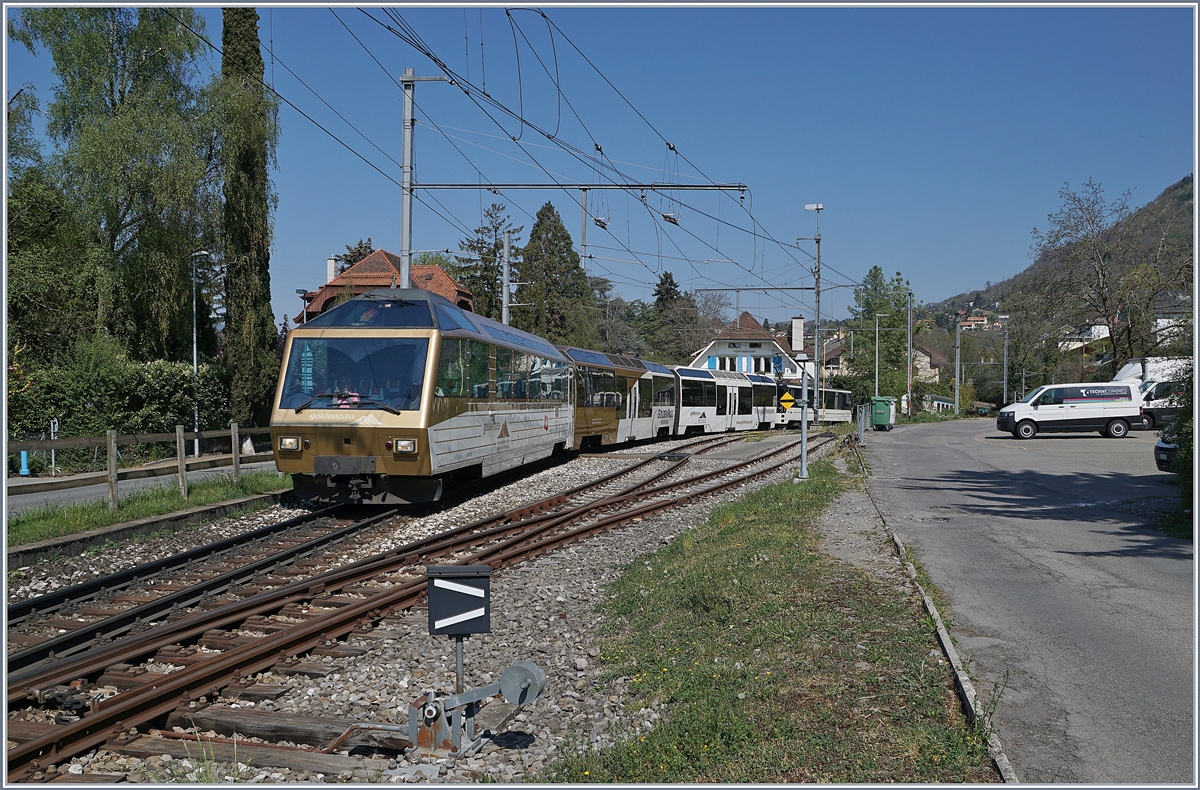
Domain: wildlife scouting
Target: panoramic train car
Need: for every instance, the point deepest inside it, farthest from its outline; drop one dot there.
(765, 400)
(836, 405)
(611, 403)
(696, 401)
(735, 402)
(384, 397)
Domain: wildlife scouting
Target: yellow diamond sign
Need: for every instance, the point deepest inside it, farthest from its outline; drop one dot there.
(786, 400)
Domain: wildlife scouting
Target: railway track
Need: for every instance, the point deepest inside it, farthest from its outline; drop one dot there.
(227, 639)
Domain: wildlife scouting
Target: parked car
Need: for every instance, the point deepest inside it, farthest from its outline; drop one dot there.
(1160, 402)
(1165, 451)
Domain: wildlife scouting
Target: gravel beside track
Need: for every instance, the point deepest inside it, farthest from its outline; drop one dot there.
(543, 611)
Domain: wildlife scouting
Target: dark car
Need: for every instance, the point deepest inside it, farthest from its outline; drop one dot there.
(1164, 452)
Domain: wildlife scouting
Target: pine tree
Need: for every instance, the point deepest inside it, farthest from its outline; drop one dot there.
(555, 288)
(248, 148)
(354, 254)
(479, 272)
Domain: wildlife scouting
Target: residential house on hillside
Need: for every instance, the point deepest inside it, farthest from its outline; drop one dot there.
(381, 269)
(744, 346)
(926, 362)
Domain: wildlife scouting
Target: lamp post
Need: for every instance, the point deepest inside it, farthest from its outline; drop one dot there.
(817, 207)
(877, 317)
(303, 305)
(195, 360)
(1004, 318)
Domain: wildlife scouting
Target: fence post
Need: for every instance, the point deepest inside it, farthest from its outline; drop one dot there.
(237, 452)
(181, 457)
(112, 469)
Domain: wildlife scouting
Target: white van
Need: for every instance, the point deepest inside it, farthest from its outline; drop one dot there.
(1111, 408)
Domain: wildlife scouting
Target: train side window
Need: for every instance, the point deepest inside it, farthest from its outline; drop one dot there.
(621, 389)
(664, 391)
(504, 372)
(452, 372)
(722, 399)
(583, 387)
(764, 395)
(520, 375)
(480, 363)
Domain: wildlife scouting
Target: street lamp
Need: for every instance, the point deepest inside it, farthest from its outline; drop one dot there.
(1004, 318)
(303, 305)
(877, 317)
(817, 207)
(195, 360)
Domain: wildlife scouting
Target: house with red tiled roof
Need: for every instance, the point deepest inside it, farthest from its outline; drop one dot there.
(381, 269)
(746, 347)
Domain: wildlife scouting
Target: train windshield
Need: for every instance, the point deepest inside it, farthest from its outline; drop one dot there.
(368, 312)
(355, 373)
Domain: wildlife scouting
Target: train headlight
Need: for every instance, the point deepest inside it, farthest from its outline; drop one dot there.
(404, 445)
(289, 444)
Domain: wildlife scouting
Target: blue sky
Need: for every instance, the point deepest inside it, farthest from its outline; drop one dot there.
(936, 138)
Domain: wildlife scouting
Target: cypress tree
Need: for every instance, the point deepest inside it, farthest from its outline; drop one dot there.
(248, 148)
(560, 300)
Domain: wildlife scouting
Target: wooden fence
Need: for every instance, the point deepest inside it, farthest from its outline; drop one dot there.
(111, 440)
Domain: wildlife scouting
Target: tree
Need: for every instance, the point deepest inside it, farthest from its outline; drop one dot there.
(558, 301)
(133, 162)
(616, 334)
(1101, 263)
(354, 254)
(666, 291)
(877, 296)
(249, 135)
(479, 272)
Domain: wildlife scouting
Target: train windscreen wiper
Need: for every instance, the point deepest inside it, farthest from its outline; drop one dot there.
(308, 402)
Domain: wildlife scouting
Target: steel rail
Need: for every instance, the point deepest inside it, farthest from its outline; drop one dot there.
(89, 590)
(121, 622)
(209, 676)
(99, 656)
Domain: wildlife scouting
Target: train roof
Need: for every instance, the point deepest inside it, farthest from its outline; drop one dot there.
(694, 373)
(760, 378)
(600, 359)
(654, 367)
(413, 308)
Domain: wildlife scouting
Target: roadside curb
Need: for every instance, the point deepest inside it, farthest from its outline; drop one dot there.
(962, 683)
(74, 545)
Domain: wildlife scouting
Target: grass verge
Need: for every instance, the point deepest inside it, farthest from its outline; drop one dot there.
(776, 663)
(55, 520)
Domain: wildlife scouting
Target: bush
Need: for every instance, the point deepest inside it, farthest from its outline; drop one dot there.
(100, 389)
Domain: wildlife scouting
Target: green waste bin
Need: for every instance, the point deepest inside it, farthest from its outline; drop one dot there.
(883, 412)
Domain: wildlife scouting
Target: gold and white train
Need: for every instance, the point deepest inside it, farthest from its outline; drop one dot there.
(394, 394)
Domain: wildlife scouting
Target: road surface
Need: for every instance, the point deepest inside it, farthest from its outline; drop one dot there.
(1059, 593)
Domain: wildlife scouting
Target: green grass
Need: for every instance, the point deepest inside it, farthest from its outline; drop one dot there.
(776, 663)
(51, 521)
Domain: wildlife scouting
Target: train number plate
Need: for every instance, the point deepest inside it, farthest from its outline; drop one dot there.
(344, 465)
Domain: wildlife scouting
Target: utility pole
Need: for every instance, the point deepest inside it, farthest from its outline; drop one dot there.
(1005, 319)
(408, 81)
(877, 317)
(583, 230)
(910, 394)
(504, 283)
(957, 374)
(817, 400)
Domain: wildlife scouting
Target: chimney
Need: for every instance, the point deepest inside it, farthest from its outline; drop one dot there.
(330, 268)
(798, 332)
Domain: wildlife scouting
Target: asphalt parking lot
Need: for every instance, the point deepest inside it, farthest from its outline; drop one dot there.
(1075, 614)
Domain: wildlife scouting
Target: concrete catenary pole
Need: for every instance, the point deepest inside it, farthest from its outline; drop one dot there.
(910, 352)
(408, 81)
(505, 296)
(957, 373)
